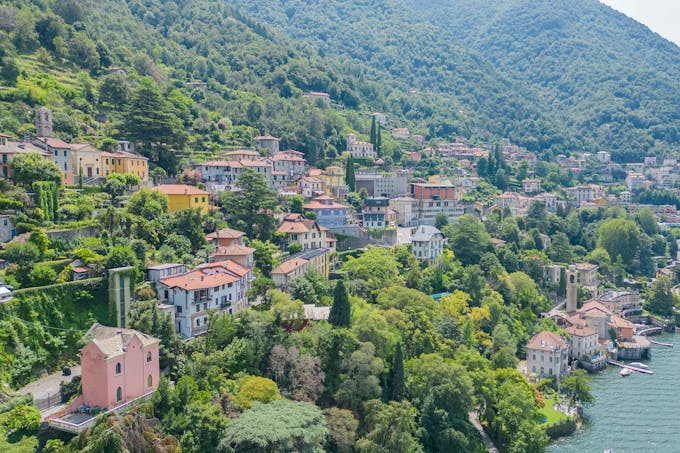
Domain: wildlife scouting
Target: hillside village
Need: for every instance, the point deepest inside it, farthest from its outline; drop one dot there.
(320, 220)
(414, 227)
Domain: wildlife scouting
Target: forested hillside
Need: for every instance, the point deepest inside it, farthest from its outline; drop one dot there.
(459, 92)
(66, 55)
(543, 71)
(617, 82)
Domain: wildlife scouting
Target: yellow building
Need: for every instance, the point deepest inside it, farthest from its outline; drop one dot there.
(86, 161)
(124, 162)
(181, 196)
(333, 182)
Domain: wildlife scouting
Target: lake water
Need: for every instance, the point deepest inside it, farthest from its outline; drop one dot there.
(638, 413)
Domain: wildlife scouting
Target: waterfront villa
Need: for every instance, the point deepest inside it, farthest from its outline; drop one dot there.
(547, 355)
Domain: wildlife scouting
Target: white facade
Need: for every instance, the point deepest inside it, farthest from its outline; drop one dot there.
(359, 149)
(427, 243)
(547, 355)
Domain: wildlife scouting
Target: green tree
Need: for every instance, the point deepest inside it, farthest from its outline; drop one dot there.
(281, 426)
(295, 204)
(441, 220)
(187, 222)
(661, 299)
(340, 310)
(647, 220)
(444, 419)
(149, 204)
(83, 52)
(21, 253)
(576, 387)
(396, 376)
(252, 206)
(342, 427)
(560, 249)
(468, 239)
(114, 90)
(28, 168)
(264, 256)
(255, 388)
(121, 256)
(9, 71)
(149, 118)
(391, 427)
(350, 177)
(42, 275)
(362, 382)
(620, 238)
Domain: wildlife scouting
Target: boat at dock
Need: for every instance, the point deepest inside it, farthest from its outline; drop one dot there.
(638, 365)
(625, 372)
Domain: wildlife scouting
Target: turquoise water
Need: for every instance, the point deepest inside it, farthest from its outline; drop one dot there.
(639, 413)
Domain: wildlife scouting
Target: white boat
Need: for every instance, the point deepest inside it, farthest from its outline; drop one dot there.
(625, 372)
(638, 365)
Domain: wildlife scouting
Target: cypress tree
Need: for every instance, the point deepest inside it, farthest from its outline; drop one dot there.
(340, 311)
(373, 132)
(378, 140)
(350, 178)
(396, 392)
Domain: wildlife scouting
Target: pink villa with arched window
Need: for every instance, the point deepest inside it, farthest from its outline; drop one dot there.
(118, 366)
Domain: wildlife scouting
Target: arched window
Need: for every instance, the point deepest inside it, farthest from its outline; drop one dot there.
(119, 394)
(118, 368)
(148, 356)
(149, 381)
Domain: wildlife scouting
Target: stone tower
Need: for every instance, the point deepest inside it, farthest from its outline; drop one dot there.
(572, 289)
(43, 122)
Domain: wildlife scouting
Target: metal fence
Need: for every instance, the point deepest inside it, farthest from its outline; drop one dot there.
(49, 401)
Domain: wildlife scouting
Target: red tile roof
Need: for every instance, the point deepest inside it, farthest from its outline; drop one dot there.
(233, 250)
(180, 189)
(289, 266)
(225, 233)
(546, 341)
(580, 331)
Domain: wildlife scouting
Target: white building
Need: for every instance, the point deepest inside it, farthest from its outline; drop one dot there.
(547, 355)
(219, 286)
(583, 341)
(604, 157)
(427, 243)
(359, 149)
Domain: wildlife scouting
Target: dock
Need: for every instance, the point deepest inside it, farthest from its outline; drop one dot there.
(623, 365)
(661, 343)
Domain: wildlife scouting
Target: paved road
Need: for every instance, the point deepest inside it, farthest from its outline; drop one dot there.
(49, 385)
(473, 416)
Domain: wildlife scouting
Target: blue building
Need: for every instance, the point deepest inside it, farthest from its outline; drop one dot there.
(328, 213)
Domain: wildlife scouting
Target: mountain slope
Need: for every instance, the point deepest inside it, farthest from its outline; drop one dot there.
(616, 82)
(586, 71)
(403, 49)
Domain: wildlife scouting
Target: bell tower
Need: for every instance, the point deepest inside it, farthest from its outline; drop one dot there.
(43, 122)
(572, 289)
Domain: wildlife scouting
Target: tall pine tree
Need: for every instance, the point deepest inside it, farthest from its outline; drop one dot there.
(350, 178)
(373, 132)
(396, 384)
(340, 311)
(378, 141)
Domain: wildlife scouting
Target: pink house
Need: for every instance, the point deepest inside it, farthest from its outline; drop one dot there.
(118, 366)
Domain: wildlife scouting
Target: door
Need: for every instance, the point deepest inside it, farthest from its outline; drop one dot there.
(89, 172)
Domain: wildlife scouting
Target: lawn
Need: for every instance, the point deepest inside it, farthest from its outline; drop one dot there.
(551, 416)
(17, 443)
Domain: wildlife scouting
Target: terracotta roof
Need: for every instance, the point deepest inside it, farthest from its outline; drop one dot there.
(586, 266)
(198, 279)
(546, 341)
(289, 266)
(229, 265)
(317, 205)
(216, 163)
(290, 157)
(180, 189)
(591, 305)
(54, 142)
(295, 224)
(81, 269)
(580, 331)
(255, 163)
(618, 322)
(266, 137)
(113, 341)
(233, 250)
(225, 233)
(315, 172)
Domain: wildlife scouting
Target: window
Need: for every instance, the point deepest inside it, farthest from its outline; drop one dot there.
(202, 199)
(64, 153)
(119, 394)
(118, 368)
(148, 356)
(149, 381)
(195, 199)
(65, 167)
(56, 152)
